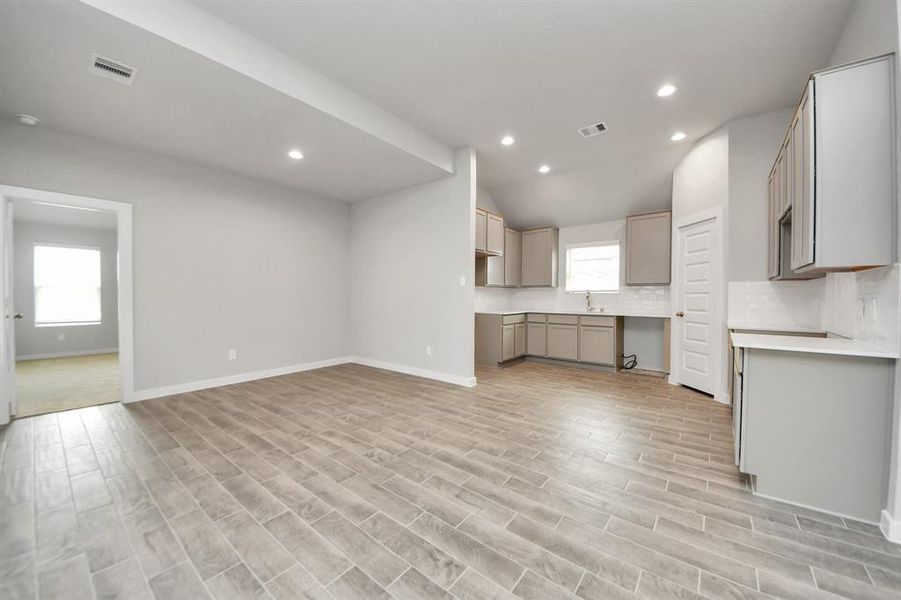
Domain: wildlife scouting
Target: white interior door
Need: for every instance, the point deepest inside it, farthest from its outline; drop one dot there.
(697, 292)
(7, 329)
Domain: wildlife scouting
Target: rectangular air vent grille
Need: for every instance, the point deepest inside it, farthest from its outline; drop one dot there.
(113, 70)
(593, 130)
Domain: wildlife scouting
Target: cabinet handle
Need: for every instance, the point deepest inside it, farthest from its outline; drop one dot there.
(680, 314)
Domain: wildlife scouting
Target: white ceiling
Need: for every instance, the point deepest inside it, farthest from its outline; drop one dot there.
(469, 72)
(33, 212)
(464, 73)
(183, 105)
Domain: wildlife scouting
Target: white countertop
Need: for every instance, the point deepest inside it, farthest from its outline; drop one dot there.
(815, 345)
(606, 313)
(757, 327)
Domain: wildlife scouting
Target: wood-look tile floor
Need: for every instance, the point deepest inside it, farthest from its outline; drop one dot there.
(349, 482)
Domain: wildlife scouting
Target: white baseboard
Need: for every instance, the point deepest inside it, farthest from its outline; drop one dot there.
(204, 384)
(193, 386)
(377, 364)
(890, 528)
(67, 354)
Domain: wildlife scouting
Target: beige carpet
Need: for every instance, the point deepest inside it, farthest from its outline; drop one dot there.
(54, 384)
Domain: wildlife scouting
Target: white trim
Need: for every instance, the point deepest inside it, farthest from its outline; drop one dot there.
(416, 371)
(67, 354)
(889, 527)
(810, 507)
(124, 243)
(193, 386)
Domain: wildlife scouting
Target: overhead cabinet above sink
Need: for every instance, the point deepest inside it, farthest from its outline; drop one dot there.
(831, 188)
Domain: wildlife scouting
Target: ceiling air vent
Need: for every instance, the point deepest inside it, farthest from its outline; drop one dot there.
(113, 70)
(593, 130)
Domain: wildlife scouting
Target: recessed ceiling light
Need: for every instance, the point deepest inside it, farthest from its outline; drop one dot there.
(27, 120)
(666, 90)
(678, 136)
(295, 154)
(507, 140)
(544, 169)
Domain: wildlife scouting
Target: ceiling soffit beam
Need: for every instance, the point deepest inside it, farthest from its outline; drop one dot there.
(193, 28)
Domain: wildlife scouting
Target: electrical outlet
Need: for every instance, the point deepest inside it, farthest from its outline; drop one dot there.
(861, 309)
(463, 281)
(61, 337)
(232, 354)
(428, 350)
(871, 308)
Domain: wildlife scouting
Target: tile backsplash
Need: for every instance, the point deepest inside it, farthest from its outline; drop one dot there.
(865, 305)
(652, 300)
(776, 304)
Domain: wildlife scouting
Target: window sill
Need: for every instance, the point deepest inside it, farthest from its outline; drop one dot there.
(76, 324)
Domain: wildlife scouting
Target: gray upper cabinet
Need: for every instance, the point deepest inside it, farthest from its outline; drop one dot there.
(494, 243)
(481, 230)
(648, 249)
(835, 201)
(512, 258)
(539, 257)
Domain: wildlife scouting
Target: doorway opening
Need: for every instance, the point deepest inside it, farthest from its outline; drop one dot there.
(67, 302)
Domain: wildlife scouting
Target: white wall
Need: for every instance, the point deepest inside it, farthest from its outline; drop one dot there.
(409, 250)
(220, 261)
(871, 30)
(32, 341)
(701, 180)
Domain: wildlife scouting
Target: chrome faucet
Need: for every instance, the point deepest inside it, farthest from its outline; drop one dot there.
(588, 300)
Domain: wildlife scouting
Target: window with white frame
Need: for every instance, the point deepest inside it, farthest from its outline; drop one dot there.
(592, 267)
(66, 286)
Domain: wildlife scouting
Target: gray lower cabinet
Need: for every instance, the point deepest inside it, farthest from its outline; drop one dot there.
(536, 336)
(508, 342)
(499, 338)
(814, 429)
(597, 345)
(519, 340)
(563, 341)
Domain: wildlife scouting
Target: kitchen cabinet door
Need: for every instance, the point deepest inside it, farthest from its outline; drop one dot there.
(519, 339)
(512, 258)
(536, 339)
(773, 226)
(597, 345)
(563, 341)
(508, 342)
(481, 230)
(803, 201)
(539, 257)
(648, 249)
(494, 237)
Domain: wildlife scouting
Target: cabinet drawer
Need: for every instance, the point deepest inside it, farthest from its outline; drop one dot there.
(563, 319)
(511, 319)
(598, 321)
(536, 318)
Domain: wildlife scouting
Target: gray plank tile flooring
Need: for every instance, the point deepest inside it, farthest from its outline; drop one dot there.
(349, 482)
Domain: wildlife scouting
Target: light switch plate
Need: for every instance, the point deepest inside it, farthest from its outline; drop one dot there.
(871, 308)
(463, 281)
(232, 354)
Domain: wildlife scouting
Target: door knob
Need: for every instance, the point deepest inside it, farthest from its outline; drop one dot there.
(680, 314)
(17, 316)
